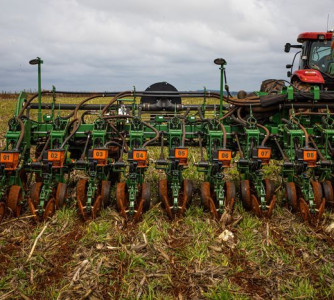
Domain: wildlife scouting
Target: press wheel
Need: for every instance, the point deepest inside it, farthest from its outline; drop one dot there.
(14, 200)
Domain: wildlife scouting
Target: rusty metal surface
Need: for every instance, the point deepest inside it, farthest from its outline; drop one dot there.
(304, 210)
(186, 195)
(139, 211)
(270, 189)
(205, 194)
(256, 206)
(13, 200)
(50, 209)
(121, 198)
(328, 192)
(146, 195)
(271, 207)
(81, 210)
(97, 206)
(82, 191)
(230, 195)
(32, 209)
(61, 194)
(321, 209)
(163, 194)
(105, 192)
(245, 194)
(207, 199)
(35, 192)
(291, 195)
(317, 191)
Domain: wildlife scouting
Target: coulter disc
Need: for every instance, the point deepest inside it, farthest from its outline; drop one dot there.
(61, 195)
(245, 194)
(14, 200)
(50, 209)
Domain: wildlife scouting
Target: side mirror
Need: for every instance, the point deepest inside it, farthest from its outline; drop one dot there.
(288, 66)
(288, 73)
(287, 47)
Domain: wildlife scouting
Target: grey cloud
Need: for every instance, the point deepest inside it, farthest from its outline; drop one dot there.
(104, 45)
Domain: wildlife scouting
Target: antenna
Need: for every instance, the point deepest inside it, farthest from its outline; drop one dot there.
(327, 21)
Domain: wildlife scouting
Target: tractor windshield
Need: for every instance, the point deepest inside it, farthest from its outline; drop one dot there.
(321, 57)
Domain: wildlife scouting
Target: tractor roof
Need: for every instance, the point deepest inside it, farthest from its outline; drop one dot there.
(314, 36)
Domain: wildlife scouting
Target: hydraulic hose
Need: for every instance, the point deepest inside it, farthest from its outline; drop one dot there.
(18, 144)
(224, 135)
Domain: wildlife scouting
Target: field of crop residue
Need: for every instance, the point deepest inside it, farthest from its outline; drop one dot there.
(193, 257)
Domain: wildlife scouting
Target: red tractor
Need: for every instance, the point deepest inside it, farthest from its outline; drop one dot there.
(316, 61)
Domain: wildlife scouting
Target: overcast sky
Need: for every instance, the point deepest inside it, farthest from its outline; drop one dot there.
(107, 45)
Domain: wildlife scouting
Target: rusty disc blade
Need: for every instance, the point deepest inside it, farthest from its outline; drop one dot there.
(304, 210)
(105, 192)
(230, 206)
(146, 195)
(186, 195)
(163, 195)
(139, 211)
(2, 210)
(256, 206)
(121, 198)
(317, 191)
(50, 209)
(61, 194)
(321, 209)
(271, 207)
(230, 195)
(97, 206)
(291, 195)
(270, 189)
(14, 200)
(32, 209)
(82, 191)
(81, 210)
(328, 192)
(245, 194)
(35, 191)
(205, 194)
(212, 208)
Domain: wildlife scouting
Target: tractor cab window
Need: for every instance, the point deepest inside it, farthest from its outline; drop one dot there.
(321, 56)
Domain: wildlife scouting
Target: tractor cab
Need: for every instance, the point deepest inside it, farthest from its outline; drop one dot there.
(316, 60)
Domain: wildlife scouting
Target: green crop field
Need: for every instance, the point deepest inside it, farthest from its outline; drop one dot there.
(193, 257)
